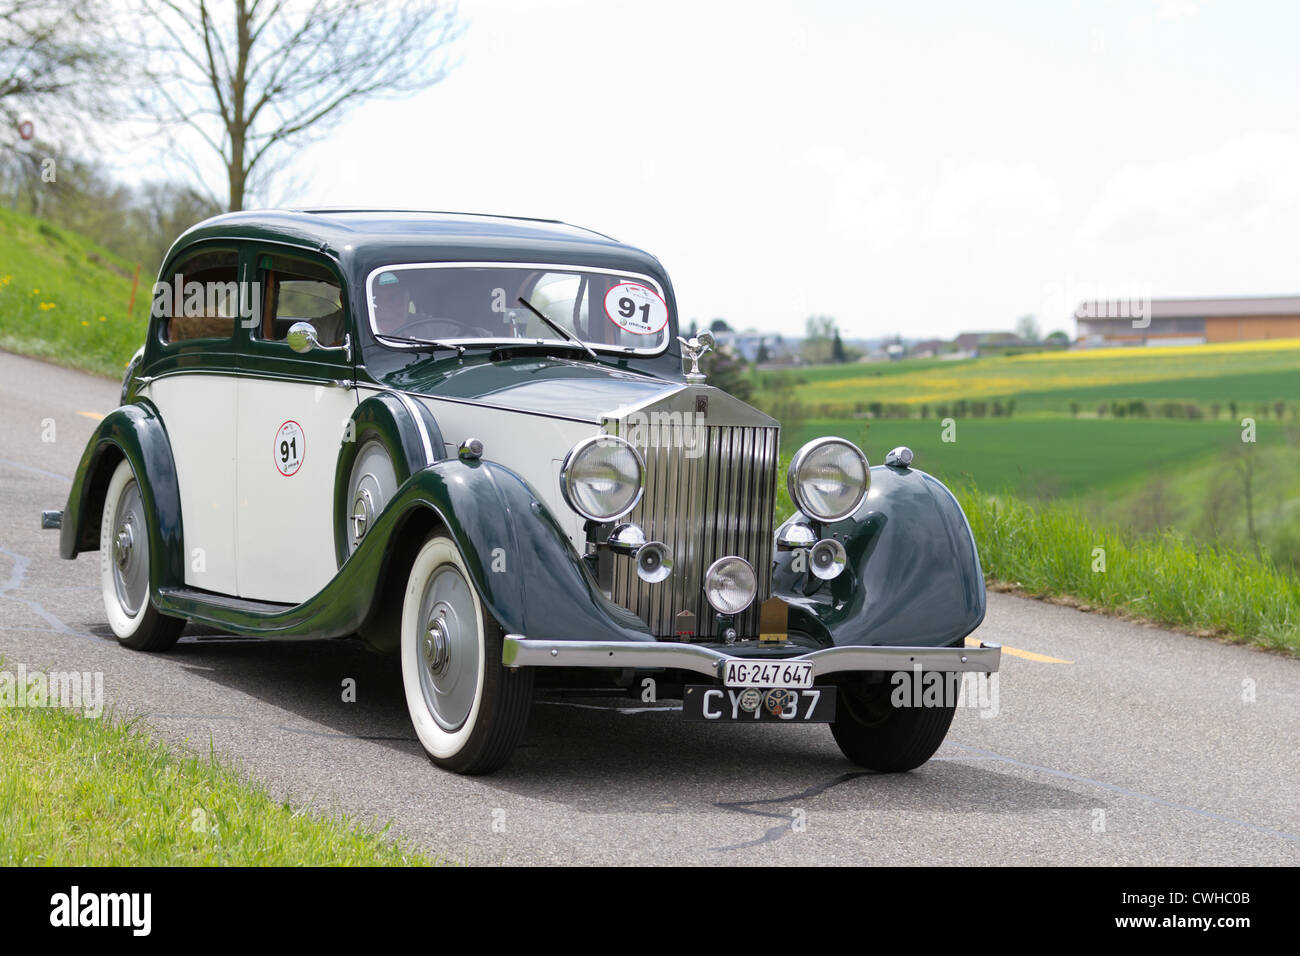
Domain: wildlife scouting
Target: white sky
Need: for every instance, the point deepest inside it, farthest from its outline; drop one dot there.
(923, 168)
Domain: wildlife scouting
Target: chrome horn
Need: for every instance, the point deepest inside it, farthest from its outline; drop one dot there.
(654, 559)
(827, 559)
(654, 562)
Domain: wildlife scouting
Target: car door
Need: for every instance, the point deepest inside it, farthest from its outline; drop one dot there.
(293, 409)
(192, 362)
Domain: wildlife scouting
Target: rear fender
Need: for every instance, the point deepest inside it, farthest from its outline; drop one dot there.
(136, 433)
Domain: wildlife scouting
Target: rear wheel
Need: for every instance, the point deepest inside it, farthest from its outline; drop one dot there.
(878, 735)
(371, 485)
(124, 568)
(469, 711)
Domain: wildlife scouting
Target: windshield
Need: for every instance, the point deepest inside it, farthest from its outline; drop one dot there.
(488, 303)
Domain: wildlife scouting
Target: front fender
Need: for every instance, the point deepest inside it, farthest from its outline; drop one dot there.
(134, 432)
(526, 571)
(913, 575)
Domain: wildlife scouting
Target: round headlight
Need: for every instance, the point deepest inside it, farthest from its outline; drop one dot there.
(602, 477)
(828, 477)
(730, 585)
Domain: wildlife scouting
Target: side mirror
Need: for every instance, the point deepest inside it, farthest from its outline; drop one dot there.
(302, 337)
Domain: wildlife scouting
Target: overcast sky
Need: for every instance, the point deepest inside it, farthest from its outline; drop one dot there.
(923, 168)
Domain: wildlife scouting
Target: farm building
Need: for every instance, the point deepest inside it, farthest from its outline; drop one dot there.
(1187, 321)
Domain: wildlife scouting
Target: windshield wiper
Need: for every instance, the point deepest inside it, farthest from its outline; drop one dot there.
(559, 329)
(431, 343)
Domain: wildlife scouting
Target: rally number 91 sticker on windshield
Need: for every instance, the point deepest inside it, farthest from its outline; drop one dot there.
(290, 448)
(636, 308)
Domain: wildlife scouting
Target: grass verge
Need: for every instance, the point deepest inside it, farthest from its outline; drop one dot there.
(1053, 551)
(78, 791)
(64, 299)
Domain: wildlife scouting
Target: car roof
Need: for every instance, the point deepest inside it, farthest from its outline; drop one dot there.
(362, 240)
(351, 229)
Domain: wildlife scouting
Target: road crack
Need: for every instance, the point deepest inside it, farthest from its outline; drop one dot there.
(789, 819)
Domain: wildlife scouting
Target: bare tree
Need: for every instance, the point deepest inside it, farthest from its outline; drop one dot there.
(1246, 471)
(1219, 507)
(253, 77)
(52, 63)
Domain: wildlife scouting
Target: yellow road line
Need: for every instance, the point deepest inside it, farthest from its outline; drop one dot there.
(95, 415)
(1017, 652)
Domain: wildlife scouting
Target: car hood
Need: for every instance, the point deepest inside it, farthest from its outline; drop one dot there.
(582, 391)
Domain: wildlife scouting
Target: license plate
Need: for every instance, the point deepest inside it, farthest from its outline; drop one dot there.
(751, 673)
(813, 705)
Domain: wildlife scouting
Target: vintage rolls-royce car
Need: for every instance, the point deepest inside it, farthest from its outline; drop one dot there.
(479, 443)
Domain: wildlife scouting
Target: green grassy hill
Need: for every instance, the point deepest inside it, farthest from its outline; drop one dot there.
(65, 299)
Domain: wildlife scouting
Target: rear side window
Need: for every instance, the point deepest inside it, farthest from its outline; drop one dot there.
(199, 299)
(298, 291)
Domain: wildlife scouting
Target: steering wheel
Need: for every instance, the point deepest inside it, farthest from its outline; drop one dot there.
(441, 329)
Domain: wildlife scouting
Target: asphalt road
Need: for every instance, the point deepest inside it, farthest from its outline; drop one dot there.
(1112, 743)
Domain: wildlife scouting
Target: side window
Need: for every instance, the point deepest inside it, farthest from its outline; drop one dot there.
(200, 298)
(296, 291)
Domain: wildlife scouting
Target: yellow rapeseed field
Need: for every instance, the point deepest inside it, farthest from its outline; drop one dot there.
(997, 376)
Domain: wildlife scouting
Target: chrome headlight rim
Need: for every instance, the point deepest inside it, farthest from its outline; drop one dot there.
(708, 580)
(794, 485)
(574, 456)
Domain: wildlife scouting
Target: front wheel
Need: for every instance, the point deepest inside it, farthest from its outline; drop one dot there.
(124, 568)
(469, 711)
(879, 728)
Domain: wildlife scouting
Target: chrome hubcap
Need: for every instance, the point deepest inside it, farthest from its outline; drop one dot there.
(370, 487)
(363, 512)
(448, 647)
(437, 652)
(130, 551)
(122, 546)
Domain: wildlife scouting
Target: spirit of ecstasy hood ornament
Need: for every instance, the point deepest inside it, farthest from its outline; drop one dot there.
(692, 350)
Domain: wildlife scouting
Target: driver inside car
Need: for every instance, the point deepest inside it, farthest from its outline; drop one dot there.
(395, 316)
(392, 304)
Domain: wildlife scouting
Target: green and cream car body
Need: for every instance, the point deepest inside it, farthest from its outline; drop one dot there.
(479, 444)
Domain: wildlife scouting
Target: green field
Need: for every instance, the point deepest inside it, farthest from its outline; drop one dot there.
(1047, 457)
(1249, 373)
(1056, 437)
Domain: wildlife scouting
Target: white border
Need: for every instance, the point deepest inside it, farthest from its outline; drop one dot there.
(554, 266)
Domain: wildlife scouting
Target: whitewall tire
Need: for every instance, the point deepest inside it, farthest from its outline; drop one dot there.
(468, 710)
(124, 567)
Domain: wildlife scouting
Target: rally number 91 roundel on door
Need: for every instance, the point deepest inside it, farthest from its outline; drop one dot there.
(481, 444)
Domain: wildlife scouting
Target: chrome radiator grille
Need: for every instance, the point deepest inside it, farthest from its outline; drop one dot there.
(709, 493)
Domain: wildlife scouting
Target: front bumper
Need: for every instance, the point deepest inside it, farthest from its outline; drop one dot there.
(521, 652)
